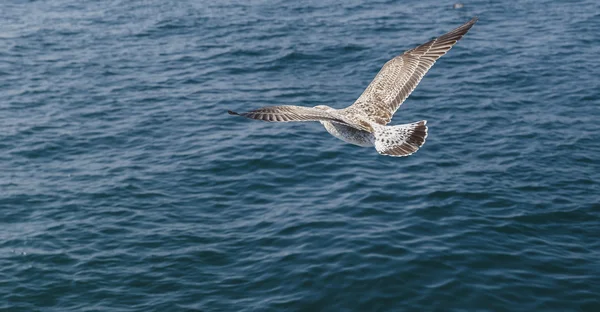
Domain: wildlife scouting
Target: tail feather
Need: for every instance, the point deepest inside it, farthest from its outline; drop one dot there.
(401, 140)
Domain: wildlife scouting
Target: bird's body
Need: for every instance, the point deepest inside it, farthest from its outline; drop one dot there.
(364, 123)
(349, 134)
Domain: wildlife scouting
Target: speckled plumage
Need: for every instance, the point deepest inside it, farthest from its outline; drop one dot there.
(364, 122)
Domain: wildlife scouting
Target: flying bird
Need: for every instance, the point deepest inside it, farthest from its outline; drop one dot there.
(364, 123)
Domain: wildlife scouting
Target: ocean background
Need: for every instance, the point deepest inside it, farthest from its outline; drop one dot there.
(125, 185)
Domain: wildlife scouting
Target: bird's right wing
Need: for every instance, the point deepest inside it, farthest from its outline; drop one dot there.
(287, 113)
(401, 75)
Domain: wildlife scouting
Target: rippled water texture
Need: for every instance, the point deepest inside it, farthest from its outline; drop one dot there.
(125, 186)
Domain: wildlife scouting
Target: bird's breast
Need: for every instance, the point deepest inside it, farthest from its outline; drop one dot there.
(349, 134)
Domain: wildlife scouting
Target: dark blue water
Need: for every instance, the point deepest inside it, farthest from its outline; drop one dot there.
(125, 186)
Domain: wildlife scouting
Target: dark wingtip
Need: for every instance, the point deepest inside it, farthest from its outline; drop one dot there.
(232, 113)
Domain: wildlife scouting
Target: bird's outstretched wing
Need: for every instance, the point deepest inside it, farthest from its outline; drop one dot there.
(401, 75)
(287, 113)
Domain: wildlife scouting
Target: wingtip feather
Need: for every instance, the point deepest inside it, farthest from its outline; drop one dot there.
(232, 113)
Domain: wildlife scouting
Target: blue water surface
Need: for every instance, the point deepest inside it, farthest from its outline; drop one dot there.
(125, 186)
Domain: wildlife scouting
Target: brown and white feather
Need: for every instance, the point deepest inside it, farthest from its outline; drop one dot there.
(287, 113)
(401, 75)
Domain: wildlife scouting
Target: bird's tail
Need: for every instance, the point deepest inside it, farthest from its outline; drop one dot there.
(401, 140)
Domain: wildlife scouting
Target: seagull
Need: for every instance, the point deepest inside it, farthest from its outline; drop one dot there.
(364, 123)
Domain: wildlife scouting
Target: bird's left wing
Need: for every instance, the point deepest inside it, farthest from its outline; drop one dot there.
(288, 113)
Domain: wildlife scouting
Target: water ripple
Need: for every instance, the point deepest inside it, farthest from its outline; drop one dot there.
(126, 186)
